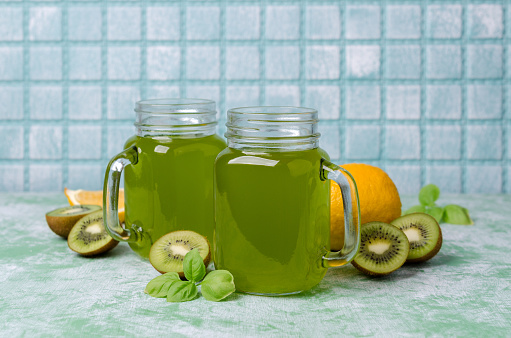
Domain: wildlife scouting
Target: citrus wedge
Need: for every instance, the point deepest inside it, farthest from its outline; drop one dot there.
(80, 196)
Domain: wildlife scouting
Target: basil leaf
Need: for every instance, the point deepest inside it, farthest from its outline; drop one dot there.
(429, 194)
(193, 266)
(415, 208)
(159, 286)
(455, 214)
(217, 285)
(182, 291)
(436, 212)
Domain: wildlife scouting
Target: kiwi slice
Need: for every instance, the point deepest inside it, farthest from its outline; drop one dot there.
(423, 233)
(383, 249)
(168, 252)
(61, 220)
(88, 236)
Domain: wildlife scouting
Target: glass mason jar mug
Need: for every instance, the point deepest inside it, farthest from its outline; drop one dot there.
(272, 202)
(168, 173)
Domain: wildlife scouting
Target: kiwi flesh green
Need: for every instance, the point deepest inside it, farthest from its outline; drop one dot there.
(383, 249)
(61, 220)
(88, 236)
(168, 252)
(424, 235)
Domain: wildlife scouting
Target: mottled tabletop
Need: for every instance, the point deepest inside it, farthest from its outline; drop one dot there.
(45, 289)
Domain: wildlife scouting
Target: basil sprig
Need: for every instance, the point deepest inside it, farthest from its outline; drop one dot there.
(216, 286)
(451, 213)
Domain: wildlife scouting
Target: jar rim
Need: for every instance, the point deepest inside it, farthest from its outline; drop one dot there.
(173, 102)
(272, 110)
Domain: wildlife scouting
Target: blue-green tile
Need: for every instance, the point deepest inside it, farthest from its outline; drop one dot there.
(403, 22)
(447, 177)
(323, 22)
(323, 62)
(242, 22)
(203, 23)
(362, 142)
(363, 22)
(282, 22)
(325, 99)
(124, 23)
(444, 21)
(163, 23)
(163, 62)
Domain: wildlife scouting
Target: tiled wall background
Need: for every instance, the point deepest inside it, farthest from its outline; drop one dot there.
(419, 88)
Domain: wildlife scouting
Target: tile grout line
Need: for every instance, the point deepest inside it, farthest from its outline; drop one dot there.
(65, 96)
(506, 187)
(105, 128)
(341, 124)
(422, 123)
(262, 51)
(143, 51)
(463, 119)
(301, 48)
(383, 110)
(222, 105)
(26, 95)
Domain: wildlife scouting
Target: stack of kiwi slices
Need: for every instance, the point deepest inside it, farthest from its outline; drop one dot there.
(386, 247)
(83, 227)
(168, 252)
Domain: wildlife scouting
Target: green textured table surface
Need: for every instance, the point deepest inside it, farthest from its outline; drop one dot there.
(45, 289)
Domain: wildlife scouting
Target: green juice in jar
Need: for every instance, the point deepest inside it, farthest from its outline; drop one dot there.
(181, 196)
(272, 219)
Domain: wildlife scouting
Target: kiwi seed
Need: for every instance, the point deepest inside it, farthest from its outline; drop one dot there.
(61, 220)
(424, 235)
(383, 249)
(88, 236)
(168, 252)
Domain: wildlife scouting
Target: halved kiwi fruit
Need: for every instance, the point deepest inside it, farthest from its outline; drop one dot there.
(423, 233)
(383, 249)
(88, 236)
(61, 220)
(168, 252)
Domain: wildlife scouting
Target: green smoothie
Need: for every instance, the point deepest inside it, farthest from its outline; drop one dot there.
(170, 187)
(272, 219)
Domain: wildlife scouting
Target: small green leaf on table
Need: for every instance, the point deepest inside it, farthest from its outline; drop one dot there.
(182, 291)
(456, 214)
(193, 266)
(159, 286)
(217, 285)
(436, 212)
(429, 194)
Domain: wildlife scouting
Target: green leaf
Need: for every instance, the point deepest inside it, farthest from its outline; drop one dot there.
(193, 266)
(415, 208)
(159, 286)
(455, 214)
(429, 194)
(436, 212)
(182, 291)
(217, 285)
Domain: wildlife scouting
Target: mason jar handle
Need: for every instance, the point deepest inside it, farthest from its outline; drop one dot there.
(111, 196)
(351, 230)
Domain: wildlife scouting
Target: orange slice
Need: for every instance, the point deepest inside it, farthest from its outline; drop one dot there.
(80, 196)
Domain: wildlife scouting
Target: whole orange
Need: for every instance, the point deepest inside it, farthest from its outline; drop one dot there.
(379, 200)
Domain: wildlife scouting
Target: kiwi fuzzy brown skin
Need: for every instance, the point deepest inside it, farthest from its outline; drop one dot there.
(81, 248)
(62, 224)
(404, 221)
(398, 264)
(181, 274)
